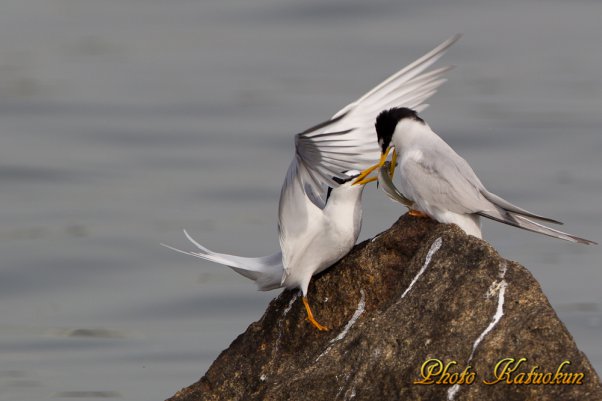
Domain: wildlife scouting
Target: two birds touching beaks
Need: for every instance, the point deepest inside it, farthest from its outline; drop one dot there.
(320, 212)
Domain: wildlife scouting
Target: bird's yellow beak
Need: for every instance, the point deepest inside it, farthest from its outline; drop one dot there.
(363, 177)
(393, 163)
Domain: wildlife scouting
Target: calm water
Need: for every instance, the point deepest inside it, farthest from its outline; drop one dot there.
(122, 122)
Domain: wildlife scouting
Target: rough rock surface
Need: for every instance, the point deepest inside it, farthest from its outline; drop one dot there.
(420, 290)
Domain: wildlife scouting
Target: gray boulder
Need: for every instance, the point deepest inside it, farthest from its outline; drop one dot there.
(419, 297)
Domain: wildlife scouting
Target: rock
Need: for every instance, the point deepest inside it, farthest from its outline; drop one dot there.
(420, 291)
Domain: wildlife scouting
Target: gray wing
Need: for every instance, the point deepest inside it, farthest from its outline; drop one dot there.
(296, 210)
(439, 177)
(348, 140)
(299, 218)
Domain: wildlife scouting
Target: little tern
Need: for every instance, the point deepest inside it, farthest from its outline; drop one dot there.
(319, 214)
(314, 238)
(440, 184)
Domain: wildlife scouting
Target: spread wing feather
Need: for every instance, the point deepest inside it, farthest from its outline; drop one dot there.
(348, 140)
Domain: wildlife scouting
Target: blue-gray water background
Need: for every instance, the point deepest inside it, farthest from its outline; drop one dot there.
(122, 122)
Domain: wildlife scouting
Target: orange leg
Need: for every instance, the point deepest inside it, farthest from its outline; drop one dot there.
(417, 213)
(310, 317)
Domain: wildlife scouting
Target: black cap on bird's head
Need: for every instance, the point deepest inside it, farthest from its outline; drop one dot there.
(387, 121)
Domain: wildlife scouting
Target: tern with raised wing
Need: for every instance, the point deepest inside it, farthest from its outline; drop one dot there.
(319, 214)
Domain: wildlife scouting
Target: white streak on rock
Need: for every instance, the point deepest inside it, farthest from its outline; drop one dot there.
(284, 313)
(345, 379)
(434, 248)
(290, 304)
(361, 307)
(451, 392)
(503, 270)
(498, 287)
(375, 237)
(350, 394)
(496, 318)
